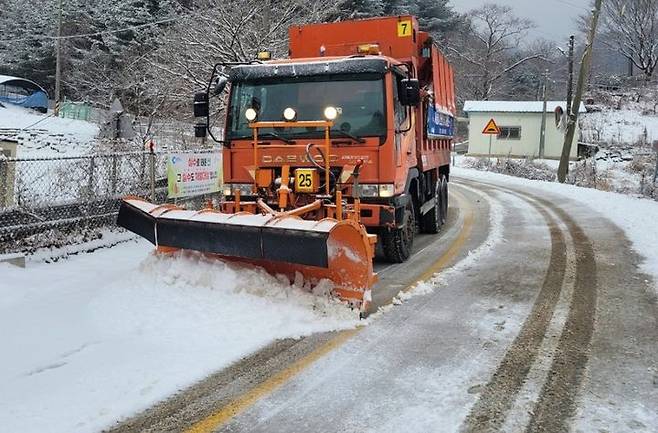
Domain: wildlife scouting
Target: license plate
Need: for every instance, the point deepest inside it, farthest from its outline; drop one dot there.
(306, 180)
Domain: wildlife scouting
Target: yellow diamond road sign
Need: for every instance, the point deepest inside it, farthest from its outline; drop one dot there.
(491, 128)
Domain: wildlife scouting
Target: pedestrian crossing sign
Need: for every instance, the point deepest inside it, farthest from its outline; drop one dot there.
(491, 128)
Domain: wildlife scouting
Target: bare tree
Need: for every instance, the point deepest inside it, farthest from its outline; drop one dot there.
(630, 27)
(215, 31)
(489, 49)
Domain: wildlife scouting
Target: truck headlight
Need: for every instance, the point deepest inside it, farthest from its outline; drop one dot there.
(251, 114)
(375, 190)
(244, 188)
(289, 114)
(387, 190)
(368, 190)
(330, 113)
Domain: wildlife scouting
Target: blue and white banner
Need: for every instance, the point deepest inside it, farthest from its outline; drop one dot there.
(439, 125)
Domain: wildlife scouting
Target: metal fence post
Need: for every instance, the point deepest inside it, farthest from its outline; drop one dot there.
(90, 186)
(4, 179)
(655, 173)
(142, 169)
(114, 175)
(152, 174)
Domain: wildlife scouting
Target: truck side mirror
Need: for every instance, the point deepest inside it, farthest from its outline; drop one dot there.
(220, 84)
(201, 110)
(409, 92)
(201, 104)
(200, 130)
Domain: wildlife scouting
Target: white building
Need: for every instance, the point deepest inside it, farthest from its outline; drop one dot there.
(519, 123)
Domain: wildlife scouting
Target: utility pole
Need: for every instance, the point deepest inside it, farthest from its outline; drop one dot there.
(542, 134)
(630, 67)
(572, 40)
(58, 61)
(572, 122)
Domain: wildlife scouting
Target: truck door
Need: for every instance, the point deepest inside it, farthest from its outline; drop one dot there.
(400, 115)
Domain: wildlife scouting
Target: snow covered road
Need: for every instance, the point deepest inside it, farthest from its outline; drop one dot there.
(546, 323)
(549, 328)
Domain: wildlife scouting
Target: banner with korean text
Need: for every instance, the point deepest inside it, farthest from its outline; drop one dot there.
(190, 174)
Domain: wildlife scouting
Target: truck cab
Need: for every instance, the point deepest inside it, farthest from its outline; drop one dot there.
(388, 93)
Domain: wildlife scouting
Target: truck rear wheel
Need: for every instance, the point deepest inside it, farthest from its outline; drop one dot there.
(444, 199)
(397, 243)
(435, 218)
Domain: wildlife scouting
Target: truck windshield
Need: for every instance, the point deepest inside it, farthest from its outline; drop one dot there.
(359, 100)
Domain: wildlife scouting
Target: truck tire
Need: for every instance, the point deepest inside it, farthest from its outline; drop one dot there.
(397, 243)
(434, 219)
(444, 199)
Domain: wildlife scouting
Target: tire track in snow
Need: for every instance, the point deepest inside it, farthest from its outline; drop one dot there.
(498, 396)
(557, 400)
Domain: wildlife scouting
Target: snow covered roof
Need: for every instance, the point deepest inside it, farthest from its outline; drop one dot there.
(7, 78)
(514, 106)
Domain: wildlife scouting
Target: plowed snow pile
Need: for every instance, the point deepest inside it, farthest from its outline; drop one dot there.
(100, 336)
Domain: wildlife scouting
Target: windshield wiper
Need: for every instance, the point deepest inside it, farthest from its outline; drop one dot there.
(277, 136)
(347, 134)
(261, 134)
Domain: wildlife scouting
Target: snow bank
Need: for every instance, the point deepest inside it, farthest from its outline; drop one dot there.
(100, 336)
(44, 134)
(636, 216)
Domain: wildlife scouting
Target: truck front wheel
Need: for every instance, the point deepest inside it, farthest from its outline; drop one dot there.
(397, 243)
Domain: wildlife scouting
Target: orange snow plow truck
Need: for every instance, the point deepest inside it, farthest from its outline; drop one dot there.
(343, 145)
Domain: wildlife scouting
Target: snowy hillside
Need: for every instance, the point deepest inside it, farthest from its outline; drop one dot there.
(625, 126)
(45, 135)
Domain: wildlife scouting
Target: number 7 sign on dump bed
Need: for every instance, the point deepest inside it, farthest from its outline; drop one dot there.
(190, 174)
(404, 28)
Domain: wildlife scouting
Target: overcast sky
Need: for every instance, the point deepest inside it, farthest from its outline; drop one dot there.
(554, 18)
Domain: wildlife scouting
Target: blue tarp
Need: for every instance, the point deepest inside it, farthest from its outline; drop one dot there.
(439, 125)
(38, 99)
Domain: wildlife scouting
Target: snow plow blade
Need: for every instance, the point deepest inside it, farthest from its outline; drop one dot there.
(340, 251)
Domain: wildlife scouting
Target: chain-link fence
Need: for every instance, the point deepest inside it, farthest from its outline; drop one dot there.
(46, 201)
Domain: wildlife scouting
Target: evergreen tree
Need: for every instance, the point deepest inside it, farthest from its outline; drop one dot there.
(26, 46)
(434, 16)
(98, 62)
(354, 9)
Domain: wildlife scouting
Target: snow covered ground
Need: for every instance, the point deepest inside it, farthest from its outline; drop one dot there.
(95, 338)
(45, 135)
(636, 216)
(624, 126)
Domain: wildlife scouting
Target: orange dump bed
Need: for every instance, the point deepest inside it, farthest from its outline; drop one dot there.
(398, 37)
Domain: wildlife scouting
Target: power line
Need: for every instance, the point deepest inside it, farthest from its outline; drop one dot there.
(581, 7)
(84, 35)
